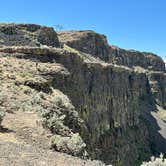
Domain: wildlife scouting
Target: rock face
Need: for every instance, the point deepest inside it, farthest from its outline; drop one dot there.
(133, 58)
(90, 95)
(157, 81)
(150, 63)
(86, 41)
(96, 45)
(27, 35)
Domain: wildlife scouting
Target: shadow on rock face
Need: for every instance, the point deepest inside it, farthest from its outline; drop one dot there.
(5, 130)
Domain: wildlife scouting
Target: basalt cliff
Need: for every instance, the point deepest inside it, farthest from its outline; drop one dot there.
(70, 98)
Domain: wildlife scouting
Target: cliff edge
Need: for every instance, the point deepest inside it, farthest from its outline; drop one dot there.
(96, 101)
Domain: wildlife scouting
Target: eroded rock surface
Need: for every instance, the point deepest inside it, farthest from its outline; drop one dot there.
(132, 58)
(86, 41)
(27, 34)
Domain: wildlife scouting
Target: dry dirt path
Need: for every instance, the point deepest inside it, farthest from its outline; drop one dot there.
(23, 142)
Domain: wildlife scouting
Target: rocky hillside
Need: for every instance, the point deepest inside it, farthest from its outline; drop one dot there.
(95, 100)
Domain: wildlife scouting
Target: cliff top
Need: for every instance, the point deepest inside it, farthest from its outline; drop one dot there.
(27, 35)
(86, 41)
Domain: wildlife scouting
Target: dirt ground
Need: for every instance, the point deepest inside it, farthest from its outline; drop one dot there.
(23, 142)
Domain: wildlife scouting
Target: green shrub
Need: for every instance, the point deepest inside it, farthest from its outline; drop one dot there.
(73, 145)
(37, 98)
(57, 101)
(26, 106)
(3, 97)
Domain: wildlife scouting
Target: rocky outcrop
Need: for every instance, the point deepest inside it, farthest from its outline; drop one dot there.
(157, 82)
(86, 41)
(97, 45)
(132, 58)
(27, 35)
(150, 64)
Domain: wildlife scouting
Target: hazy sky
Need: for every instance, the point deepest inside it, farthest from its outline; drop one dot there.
(135, 24)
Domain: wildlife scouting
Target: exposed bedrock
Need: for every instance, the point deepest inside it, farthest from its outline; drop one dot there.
(157, 82)
(97, 45)
(27, 35)
(86, 41)
(132, 58)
